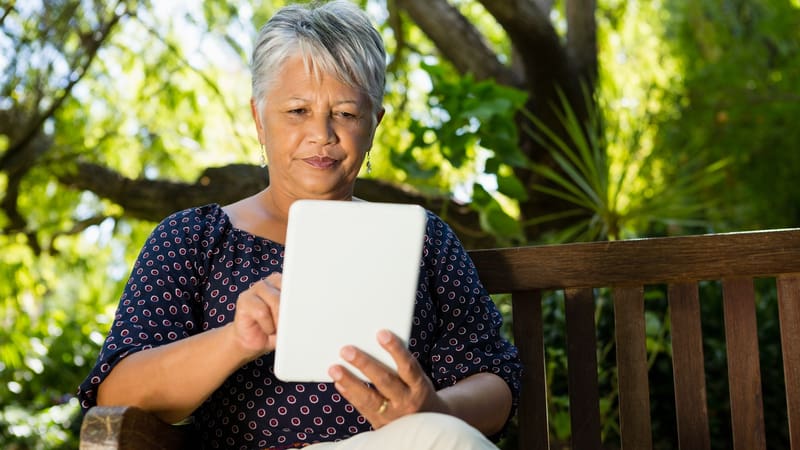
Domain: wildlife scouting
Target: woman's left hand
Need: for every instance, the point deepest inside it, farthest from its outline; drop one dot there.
(393, 394)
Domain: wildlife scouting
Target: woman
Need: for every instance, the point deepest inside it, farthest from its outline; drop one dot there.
(195, 329)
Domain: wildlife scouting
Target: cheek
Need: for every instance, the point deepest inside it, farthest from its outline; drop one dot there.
(363, 138)
(280, 142)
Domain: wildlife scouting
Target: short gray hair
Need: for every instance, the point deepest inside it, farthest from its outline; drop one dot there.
(336, 38)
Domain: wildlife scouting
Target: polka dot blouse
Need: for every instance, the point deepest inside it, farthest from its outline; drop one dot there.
(187, 278)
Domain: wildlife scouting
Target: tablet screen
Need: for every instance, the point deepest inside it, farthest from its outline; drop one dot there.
(351, 268)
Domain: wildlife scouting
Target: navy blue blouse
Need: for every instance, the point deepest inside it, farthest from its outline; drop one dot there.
(187, 278)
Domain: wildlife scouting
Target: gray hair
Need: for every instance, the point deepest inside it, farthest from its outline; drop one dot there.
(337, 38)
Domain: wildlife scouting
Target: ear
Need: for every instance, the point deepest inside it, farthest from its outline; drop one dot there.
(379, 117)
(257, 119)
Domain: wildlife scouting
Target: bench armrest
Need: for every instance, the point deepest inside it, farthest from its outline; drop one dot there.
(128, 427)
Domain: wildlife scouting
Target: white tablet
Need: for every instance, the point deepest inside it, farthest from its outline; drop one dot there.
(350, 269)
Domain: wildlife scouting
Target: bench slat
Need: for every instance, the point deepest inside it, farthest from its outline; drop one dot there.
(634, 390)
(789, 312)
(688, 367)
(529, 340)
(584, 400)
(639, 261)
(744, 371)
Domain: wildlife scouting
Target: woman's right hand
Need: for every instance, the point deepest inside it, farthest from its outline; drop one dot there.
(256, 321)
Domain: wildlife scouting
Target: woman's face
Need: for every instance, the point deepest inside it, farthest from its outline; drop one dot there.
(315, 132)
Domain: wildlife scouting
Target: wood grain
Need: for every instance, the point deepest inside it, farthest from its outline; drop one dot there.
(584, 400)
(530, 342)
(634, 390)
(129, 428)
(744, 371)
(789, 312)
(639, 261)
(688, 368)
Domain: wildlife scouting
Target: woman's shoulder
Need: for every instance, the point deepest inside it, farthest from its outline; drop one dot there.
(199, 221)
(211, 213)
(438, 227)
(434, 221)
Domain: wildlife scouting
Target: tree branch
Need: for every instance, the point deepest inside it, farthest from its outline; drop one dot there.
(6, 12)
(582, 39)
(152, 200)
(18, 147)
(529, 27)
(458, 40)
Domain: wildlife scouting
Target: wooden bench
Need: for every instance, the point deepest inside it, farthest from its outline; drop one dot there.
(626, 268)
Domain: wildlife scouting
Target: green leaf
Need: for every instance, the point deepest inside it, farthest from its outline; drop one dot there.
(511, 186)
(494, 219)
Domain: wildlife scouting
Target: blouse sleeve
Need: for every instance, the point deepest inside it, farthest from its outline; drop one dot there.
(469, 323)
(158, 303)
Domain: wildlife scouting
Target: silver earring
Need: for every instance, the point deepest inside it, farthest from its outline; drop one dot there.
(263, 156)
(369, 164)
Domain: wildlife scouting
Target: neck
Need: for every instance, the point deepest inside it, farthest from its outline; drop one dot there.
(276, 206)
(277, 202)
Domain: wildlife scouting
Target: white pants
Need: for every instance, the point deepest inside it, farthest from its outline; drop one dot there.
(421, 431)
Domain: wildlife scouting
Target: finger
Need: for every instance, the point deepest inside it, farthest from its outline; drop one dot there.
(383, 377)
(259, 311)
(369, 402)
(269, 292)
(253, 325)
(275, 279)
(408, 368)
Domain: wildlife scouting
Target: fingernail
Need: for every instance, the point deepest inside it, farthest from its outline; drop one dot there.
(335, 372)
(348, 353)
(384, 336)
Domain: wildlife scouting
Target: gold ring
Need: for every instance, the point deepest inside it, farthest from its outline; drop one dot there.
(384, 405)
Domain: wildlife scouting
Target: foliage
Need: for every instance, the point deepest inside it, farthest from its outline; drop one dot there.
(741, 76)
(622, 204)
(49, 335)
(471, 126)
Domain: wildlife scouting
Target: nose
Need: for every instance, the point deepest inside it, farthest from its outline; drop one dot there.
(320, 129)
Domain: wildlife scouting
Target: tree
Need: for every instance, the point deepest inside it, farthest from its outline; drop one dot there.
(537, 60)
(540, 64)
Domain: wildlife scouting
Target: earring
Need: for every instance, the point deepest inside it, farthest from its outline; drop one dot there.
(263, 156)
(369, 164)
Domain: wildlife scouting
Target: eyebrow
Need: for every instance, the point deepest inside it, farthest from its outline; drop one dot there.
(335, 103)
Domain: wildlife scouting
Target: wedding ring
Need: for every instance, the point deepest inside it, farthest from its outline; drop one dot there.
(384, 405)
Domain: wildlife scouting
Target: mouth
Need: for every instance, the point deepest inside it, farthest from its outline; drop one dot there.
(321, 162)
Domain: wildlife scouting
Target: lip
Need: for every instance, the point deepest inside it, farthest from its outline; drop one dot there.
(320, 162)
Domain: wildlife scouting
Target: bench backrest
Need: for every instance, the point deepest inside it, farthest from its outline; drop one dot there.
(626, 268)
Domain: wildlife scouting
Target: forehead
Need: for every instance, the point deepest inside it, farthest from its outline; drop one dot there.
(299, 77)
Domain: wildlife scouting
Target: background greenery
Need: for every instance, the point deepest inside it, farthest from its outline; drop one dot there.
(686, 126)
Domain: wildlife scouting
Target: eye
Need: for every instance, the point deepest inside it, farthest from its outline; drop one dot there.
(346, 115)
(298, 111)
